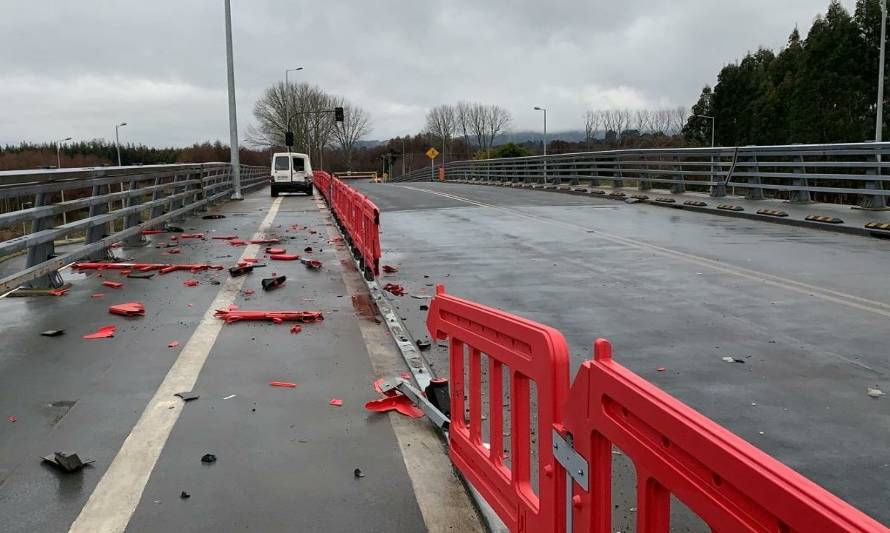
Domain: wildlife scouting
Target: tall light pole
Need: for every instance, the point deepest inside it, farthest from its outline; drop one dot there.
(117, 141)
(879, 118)
(713, 126)
(58, 166)
(287, 99)
(545, 139)
(233, 119)
(59, 152)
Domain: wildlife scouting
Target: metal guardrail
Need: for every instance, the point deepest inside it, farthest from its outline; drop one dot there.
(845, 173)
(140, 197)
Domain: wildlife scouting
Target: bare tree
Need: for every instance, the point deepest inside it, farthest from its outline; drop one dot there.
(463, 120)
(497, 119)
(346, 134)
(301, 108)
(441, 124)
(643, 120)
(680, 115)
(661, 121)
(593, 121)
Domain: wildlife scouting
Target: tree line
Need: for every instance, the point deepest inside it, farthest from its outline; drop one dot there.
(821, 89)
(99, 152)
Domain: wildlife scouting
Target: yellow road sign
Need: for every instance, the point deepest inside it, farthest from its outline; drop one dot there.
(432, 153)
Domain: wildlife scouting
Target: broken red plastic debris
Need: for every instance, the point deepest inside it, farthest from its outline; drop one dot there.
(398, 290)
(660, 369)
(102, 333)
(58, 292)
(192, 236)
(400, 403)
(237, 242)
(311, 263)
(389, 269)
(284, 257)
(172, 344)
(174, 238)
(225, 237)
(276, 251)
(128, 309)
(113, 284)
(296, 329)
(250, 260)
(283, 384)
(172, 251)
(234, 315)
(11, 418)
(125, 272)
(264, 241)
(336, 402)
(190, 283)
(97, 295)
(248, 292)
(152, 231)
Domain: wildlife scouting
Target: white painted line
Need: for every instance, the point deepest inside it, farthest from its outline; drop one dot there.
(113, 501)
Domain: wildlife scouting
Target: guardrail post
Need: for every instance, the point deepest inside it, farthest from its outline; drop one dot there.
(618, 182)
(134, 219)
(96, 232)
(574, 180)
(594, 173)
(177, 202)
(874, 201)
(800, 196)
(679, 184)
(754, 193)
(644, 183)
(39, 253)
(718, 185)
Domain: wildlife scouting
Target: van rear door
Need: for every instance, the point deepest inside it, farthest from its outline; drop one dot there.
(281, 168)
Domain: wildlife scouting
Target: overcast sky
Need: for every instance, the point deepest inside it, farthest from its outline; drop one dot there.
(75, 68)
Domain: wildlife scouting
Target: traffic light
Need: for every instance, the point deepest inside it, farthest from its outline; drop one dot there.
(338, 114)
(288, 138)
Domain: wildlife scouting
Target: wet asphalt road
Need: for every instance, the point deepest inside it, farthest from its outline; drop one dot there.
(285, 456)
(807, 311)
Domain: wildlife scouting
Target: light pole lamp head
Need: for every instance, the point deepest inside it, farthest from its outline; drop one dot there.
(122, 124)
(539, 108)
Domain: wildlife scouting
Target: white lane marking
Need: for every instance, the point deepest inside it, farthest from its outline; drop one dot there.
(113, 501)
(849, 300)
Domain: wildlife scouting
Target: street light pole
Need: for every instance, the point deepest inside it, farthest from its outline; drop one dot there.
(545, 140)
(117, 141)
(287, 99)
(879, 118)
(58, 166)
(233, 118)
(59, 152)
(713, 126)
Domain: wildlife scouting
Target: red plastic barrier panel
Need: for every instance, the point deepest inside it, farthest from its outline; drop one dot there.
(526, 353)
(726, 481)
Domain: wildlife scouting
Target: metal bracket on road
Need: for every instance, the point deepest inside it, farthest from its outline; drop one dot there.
(436, 416)
(571, 461)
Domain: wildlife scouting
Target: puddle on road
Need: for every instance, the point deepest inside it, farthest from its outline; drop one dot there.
(59, 409)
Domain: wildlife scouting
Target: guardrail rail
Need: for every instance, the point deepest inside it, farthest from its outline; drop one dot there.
(853, 173)
(37, 214)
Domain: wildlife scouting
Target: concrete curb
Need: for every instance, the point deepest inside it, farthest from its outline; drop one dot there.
(824, 226)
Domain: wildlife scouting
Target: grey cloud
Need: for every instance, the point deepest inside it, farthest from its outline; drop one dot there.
(76, 68)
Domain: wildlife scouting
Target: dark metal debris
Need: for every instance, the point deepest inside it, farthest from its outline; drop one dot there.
(52, 332)
(187, 396)
(185, 495)
(358, 473)
(69, 462)
(212, 217)
(208, 458)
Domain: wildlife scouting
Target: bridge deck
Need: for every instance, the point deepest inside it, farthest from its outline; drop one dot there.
(286, 458)
(807, 311)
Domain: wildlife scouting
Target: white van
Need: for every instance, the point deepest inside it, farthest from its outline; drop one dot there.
(291, 172)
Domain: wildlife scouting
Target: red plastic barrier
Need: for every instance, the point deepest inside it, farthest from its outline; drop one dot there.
(527, 352)
(726, 481)
(358, 216)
